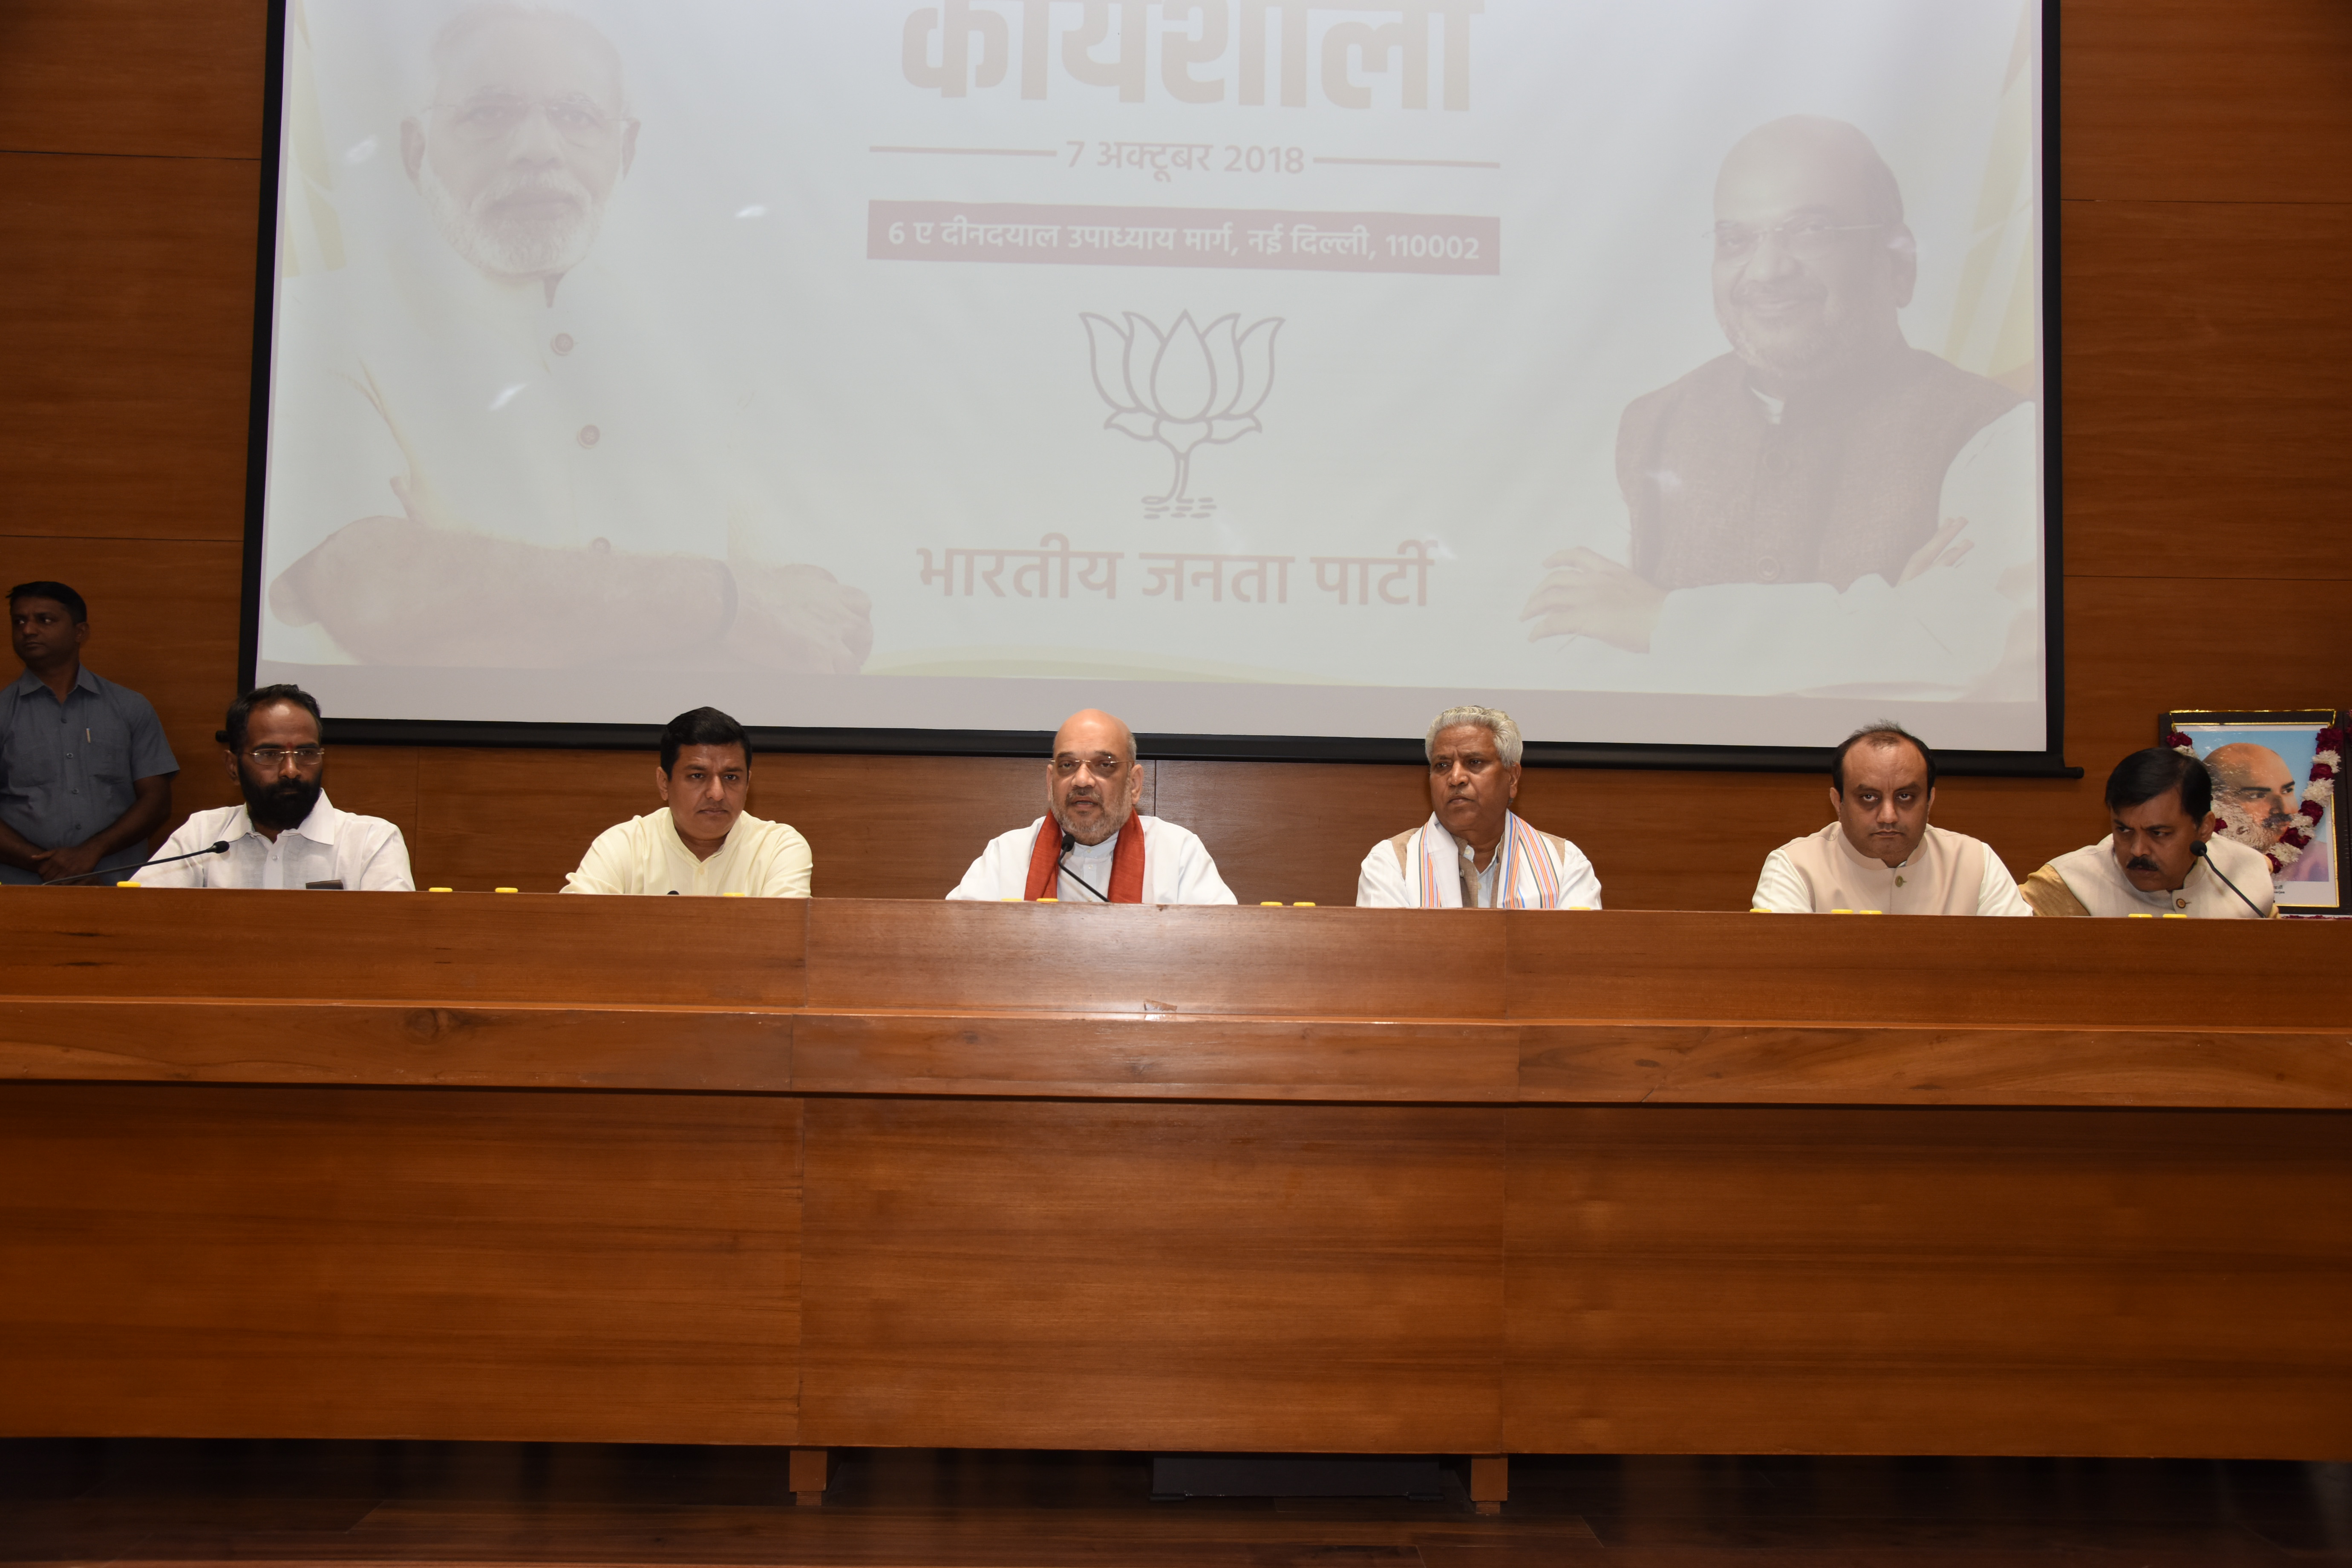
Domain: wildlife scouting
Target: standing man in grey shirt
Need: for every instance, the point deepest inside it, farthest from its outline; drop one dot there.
(85, 772)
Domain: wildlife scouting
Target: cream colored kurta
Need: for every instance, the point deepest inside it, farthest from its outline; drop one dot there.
(2099, 887)
(1948, 874)
(644, 855)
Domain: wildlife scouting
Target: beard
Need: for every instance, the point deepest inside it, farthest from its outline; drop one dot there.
(2256, 832)
(280, 803)
(1112, 818)
(531, 242)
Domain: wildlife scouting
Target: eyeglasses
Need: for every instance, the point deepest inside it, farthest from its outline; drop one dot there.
(1805, 239)
(495, 116)
(274, 756)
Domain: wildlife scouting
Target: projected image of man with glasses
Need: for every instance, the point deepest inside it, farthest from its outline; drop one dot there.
(528, 137)
(1781, 494)
(287, 834)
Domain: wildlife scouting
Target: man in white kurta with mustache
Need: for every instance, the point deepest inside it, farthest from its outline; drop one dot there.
(1092, 847)
(1475, 852)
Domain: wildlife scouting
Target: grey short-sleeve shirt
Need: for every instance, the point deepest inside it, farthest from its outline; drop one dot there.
(66, 768)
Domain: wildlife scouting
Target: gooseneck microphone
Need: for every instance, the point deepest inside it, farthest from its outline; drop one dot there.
(1070, 842)
(217, 846)
(2199, 850)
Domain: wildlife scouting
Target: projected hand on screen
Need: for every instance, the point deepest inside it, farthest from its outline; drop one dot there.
(798, 618)
(1588, 594)
(395, 589)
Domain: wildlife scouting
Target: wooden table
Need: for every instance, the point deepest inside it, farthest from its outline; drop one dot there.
(862, 1173)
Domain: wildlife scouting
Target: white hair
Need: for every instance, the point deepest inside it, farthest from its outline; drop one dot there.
(450, 42)
(1494, 720)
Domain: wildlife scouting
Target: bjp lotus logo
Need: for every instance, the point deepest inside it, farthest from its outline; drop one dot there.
(1185, 387)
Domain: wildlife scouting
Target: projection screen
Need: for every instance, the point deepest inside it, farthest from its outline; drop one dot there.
(1666, 373)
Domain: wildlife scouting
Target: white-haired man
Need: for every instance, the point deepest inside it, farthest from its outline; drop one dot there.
(562, 445)
(1092, 847)
(1475, 852)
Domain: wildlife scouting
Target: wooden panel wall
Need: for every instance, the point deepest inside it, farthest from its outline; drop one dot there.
(2206, 167)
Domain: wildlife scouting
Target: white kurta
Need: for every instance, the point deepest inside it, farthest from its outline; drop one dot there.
(1177, 868)
(1389, 880)
(2093, 877)
(644, 855)
(1784, 889)
(574, 421)
(365, 854)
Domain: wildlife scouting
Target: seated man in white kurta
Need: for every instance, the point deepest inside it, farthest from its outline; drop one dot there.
(2163, 857)
(1475, 852)
(1881, 856)
(287, 834)
(701, 841)
(1092, 847)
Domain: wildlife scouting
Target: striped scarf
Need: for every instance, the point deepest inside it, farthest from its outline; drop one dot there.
(1528, 880)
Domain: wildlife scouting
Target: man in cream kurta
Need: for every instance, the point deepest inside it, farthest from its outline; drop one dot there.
(2089, 881)
(1948, 874)
(701, 841)
(2162, 855)
(644, 855)
(1092, 846)
(1475, 852)
(1881, 855)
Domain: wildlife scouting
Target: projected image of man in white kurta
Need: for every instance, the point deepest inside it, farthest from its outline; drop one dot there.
(562, 478)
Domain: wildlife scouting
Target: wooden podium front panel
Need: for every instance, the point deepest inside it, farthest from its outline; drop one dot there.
(243, 1262)
(1921, 1281)
(1165, 958)
(1038, 1274)
(434, 948)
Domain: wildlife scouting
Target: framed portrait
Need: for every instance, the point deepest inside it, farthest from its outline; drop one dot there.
(2275, 791)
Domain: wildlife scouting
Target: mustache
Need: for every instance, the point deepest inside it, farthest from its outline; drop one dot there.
(2141, 863)
(545, 181)
(1757, 292)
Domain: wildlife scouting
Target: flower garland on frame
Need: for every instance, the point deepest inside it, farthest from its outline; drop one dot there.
(2316, 794)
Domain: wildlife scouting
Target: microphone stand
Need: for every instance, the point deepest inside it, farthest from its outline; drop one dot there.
(1070, 842)
(120, 873)
(2199, 850)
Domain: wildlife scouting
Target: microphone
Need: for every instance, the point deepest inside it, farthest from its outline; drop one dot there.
(2199, 850)
(217, 846)
(1070, 842)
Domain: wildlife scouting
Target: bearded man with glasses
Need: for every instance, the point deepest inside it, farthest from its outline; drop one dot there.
(1824, 505)
(287, 834)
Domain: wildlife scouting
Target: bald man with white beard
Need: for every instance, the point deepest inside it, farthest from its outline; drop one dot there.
(493, 450)
(1092, 847)
(2258, 799)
